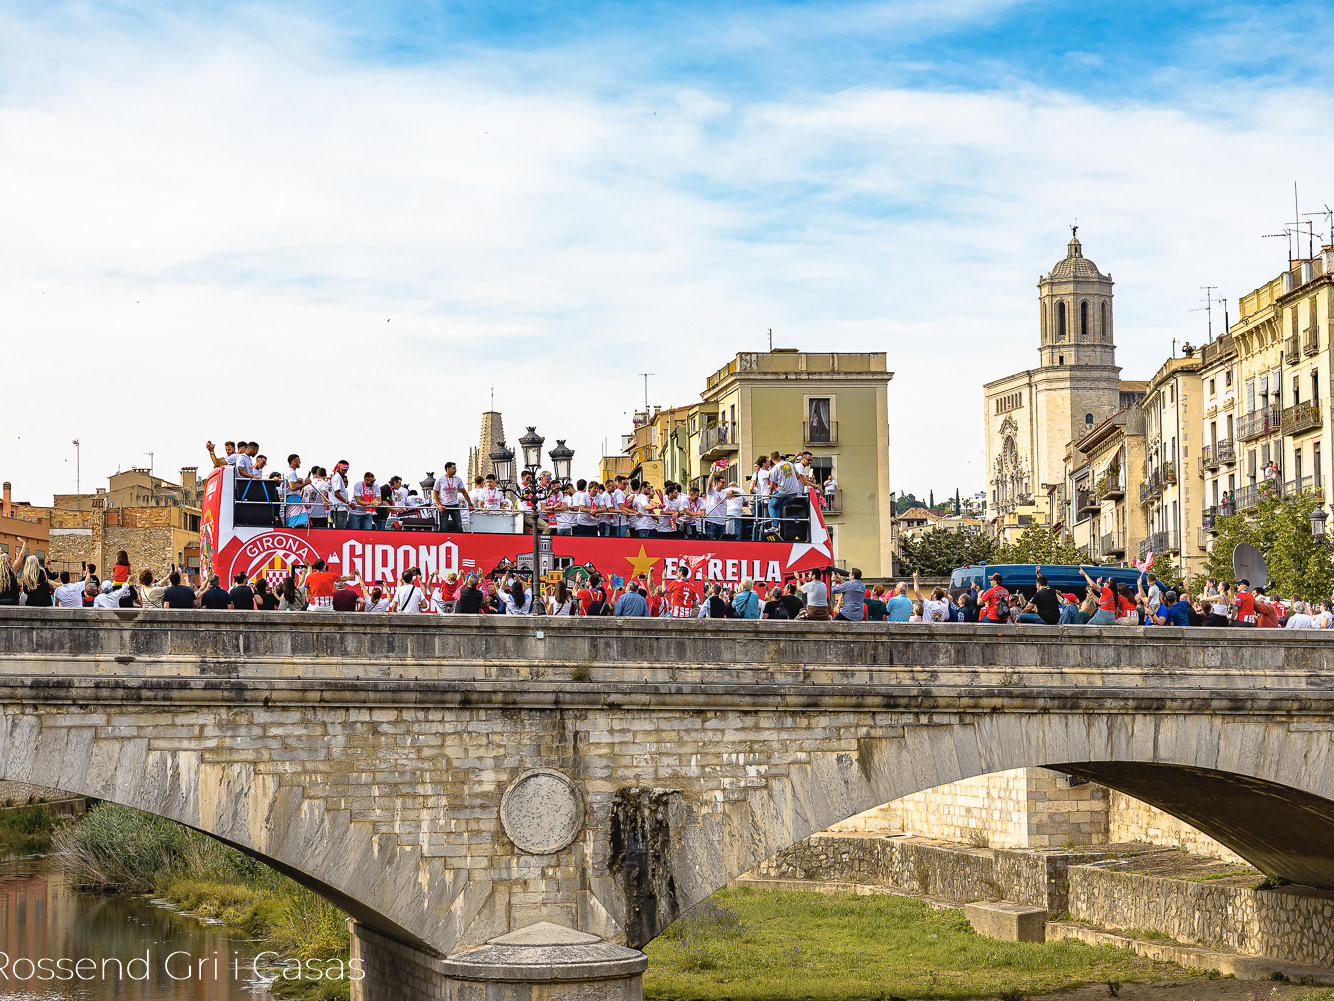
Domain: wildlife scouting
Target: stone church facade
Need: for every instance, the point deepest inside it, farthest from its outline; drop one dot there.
(1032, 416)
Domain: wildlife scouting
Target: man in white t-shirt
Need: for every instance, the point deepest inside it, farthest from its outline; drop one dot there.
(715, 509)
(70, 592)
(409, 596)
(606, 505)
(338, 495)
(450, 498)
(585, 522)
(620, 523)
(644, 504)
(667, 527)
(761, 488)
(693, 517)
(563, 504)
(493, 499)
(734, 500)
(243, 462)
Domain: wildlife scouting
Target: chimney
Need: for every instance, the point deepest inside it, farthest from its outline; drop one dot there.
(188, 479)
(5, 507)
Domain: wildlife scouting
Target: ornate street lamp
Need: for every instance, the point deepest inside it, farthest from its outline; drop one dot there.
(1318, 519)
(561, 457)
(531, 443)
(503, 461)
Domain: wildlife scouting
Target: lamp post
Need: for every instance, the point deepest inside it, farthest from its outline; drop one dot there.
(560, 461)
(1318, 519)
(503, 460)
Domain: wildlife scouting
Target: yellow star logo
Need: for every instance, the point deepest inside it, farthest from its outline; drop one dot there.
(642, 563)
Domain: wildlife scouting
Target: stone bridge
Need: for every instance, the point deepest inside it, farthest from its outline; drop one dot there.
(450, 780)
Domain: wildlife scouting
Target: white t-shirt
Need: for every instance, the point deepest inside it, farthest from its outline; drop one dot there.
(564, 519)
(817, 595)
(666, 521)
(490, 498)
(607, 503)
(231, 459)
(715, 507)
(783, 479)
(618, 500)
(449, 488)
(245, 465)
(762, 482)
(70, 595)
(734, 505)
(380, 606)
(408, 598)
(337, 485)
(400, 498)
(582, 499)
(312, 495)
(1300, 621)
(291, 478)
(366, 498)
(643, 520)
(935, 611)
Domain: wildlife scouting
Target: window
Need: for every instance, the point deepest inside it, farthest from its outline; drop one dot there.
(1250, 396)
(1215, 493)
(1297, 464)
(1315, 385)
(1102, 323)
(1296, 391)
(1213, 433)
(1088, 418)
(1060, 360)
(1229, 425)
(1213, 386)
(1172, 393)
(818, 427)
(1227, 379)
(1316, 471)
(1084, 320)
(1060, 321)
(1250, 464)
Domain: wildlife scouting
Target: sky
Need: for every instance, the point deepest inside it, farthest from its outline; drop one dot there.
(334, 227)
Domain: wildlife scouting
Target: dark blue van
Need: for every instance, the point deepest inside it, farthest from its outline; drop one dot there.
(1021, 578)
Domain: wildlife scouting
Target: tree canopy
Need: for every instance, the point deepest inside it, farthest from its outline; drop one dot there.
(1280, 527)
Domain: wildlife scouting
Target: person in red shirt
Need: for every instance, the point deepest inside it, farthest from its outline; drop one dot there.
(1266, 610)
(592, 599)
(319, 584)
(990, 600)
(1243, 606)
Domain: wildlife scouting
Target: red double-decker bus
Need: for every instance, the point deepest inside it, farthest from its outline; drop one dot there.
(230, 545)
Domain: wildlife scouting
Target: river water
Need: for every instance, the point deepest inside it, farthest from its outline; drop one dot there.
(43, 918)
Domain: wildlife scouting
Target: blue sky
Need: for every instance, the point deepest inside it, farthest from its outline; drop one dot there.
(361, 215)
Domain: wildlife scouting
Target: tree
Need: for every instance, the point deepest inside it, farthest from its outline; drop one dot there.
(1280, 527)
(937, 552)
(905, 502)
(1037, 545)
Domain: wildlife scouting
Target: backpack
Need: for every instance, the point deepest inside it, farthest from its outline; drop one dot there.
(780, 611)
(1002, 608)
(597, 605)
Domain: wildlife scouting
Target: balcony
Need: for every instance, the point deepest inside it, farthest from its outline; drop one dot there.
(1301, 418)
(1311, 341)
(1226, 449)
(822, 433)
(1209, 520)
(1291, 348)
(1258, 423)
(1112, 486)
(1087, 501)
(719, 437)
(1244, 498)
(1114, 544)
(833, 503)
(1169, 473)
(1303, 485)
(1208, 458)
(1152, 487)
(1159, 542)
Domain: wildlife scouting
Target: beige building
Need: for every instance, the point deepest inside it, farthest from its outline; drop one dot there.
(1104, 516)
(835, 404)
(1032, 416)
(22, 526)
(1220, 382)
(154, 520)
(1170, 491)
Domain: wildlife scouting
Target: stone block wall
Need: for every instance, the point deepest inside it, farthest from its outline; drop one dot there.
(1018, 808)
(1132, 820)
(1292, 923)
(392, 971)
(20, 792)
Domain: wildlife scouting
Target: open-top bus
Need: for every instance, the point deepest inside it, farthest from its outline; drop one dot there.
(249, 537)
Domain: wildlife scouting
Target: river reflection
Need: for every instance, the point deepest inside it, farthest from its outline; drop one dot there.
(41, 917)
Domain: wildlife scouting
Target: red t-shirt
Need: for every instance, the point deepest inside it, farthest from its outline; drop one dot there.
(1245, 606)
(320, 583)
(991, 598)
(447, 590)
(120, 573)
(654, 604)
(587, 597)
(1266, 615)
(1108, 601)
(1124, 607)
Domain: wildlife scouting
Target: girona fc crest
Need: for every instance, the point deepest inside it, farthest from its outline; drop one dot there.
(271, 556)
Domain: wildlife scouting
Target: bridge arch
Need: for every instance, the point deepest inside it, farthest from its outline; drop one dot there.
(1262, 787)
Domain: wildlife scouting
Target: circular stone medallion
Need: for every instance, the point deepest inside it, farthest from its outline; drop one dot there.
(542, 811)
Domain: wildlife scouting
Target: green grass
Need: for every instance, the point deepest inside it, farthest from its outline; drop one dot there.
(753, 945)
(28, 830)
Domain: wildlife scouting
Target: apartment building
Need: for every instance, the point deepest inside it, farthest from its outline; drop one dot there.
(1169, 493)
(1104, 516)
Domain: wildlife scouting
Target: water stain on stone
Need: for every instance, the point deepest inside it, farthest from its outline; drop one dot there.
(640, 859)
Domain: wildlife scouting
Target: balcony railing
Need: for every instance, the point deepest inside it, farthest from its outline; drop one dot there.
(1311, 340)
(1291, 347)
(1301, 417)
(1152, 487)
(1114, 487)
(1208, 458)
(1244, 498)
(1159, 542)
(1302, 485)
(1209, 519)
(717, 437)
(1114, 544)
(833, 503)
(1226, 450)
(1258, 423)
(825, 433)
(1087, 500)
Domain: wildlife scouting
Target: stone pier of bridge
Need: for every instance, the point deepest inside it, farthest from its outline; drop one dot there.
(541, 797)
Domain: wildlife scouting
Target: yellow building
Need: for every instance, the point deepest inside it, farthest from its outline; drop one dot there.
(1220, 382)
(1170, 491)
(1104, 516)
(834, 404)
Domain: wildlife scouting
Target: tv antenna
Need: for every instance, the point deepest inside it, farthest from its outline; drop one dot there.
(1274, 236)
(1208, 308)
(1328, 214)
(646, 375)
(150, 466)
(771, 340)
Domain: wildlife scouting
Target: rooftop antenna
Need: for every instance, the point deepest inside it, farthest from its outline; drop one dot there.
(1273, 236)
(1328, 214)
(1227, 325)
(771, 340)
(150, 465)
(493, 397)
(646, 375)
(1208, 308)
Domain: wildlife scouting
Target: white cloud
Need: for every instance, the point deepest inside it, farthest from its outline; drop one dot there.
(209, 235)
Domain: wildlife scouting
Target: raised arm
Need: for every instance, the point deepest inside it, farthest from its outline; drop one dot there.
(916, 588)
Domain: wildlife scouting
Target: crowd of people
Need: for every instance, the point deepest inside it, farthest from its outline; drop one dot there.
(774, 506)
(25, 581)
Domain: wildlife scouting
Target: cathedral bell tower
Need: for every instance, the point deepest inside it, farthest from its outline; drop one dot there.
(1075, 300)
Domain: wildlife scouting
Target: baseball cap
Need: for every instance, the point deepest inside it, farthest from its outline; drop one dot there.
(107, 586)
(1071, 597)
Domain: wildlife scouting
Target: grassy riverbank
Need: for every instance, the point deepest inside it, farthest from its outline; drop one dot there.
(28, 830)
(755, 945)
(116, 849)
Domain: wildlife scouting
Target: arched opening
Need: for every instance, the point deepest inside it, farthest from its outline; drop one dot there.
(1060, 321)
(1102, 323)
(1084, 320)
(1088, 418)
